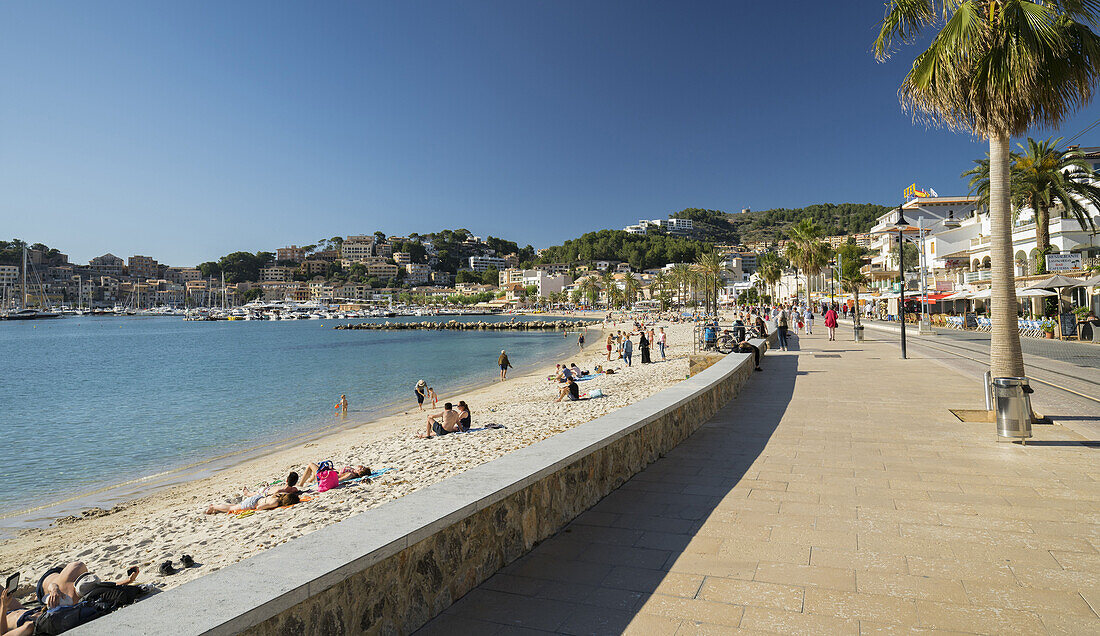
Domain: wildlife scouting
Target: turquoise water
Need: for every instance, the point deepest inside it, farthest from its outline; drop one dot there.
(87, 402)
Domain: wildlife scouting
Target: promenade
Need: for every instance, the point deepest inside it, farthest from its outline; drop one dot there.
(835, 495)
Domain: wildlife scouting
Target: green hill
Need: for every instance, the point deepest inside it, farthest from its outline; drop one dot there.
(770, 225)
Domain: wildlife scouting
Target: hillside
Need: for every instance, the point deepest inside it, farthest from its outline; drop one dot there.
(770, 225)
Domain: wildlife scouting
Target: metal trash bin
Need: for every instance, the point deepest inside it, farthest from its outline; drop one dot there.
(858, 333)
(1012, 402)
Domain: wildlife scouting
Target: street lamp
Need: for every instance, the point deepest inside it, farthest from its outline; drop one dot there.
(900, 225)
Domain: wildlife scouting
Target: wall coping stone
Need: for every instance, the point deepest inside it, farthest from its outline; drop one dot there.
(251, 591)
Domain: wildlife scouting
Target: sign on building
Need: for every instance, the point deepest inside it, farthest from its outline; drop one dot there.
(1063, 262)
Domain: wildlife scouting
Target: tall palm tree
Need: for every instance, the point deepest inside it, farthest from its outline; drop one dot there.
(607, 279)
(631, 289)
(807, 251)
(710, 268)
(995, 68)
(682, 276)
(769, 267)
(659, 290)
(1048, 176)
(591, 290)
(850, 274)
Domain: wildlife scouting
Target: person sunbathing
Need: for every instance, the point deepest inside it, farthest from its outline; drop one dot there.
(258, 501)
(67, 585)
(16, 620)
(344, 474)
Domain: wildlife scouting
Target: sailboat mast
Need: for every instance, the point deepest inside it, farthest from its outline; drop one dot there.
(23, 300)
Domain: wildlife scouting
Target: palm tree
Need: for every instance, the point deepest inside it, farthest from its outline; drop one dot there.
(850, 274)
(1042, 177)
(769, 267)
(608, 281)
(710, 269)
(631, 288)
(591, 290)
(995, 68)
(682, 276)
(807, 251)
(1050, 176)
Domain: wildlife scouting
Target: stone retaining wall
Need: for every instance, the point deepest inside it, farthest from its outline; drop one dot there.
(391, 569)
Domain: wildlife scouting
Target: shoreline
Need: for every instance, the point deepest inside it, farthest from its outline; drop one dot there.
(103, 500)
(149, 529)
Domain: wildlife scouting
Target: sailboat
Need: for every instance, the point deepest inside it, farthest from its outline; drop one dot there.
(24, 312)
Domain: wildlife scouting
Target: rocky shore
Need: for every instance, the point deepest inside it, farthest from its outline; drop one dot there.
(454, 325)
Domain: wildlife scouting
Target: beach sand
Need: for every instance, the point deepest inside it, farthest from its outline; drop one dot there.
(170, 523)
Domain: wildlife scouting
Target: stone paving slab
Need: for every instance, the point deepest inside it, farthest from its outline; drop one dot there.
(832, 496)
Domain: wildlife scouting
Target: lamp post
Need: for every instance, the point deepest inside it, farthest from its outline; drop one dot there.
(901, 224)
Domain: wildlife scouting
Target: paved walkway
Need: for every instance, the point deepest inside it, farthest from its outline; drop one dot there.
(836, 495)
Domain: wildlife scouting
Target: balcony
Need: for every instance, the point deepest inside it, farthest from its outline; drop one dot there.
(978, 276)
(978, 242)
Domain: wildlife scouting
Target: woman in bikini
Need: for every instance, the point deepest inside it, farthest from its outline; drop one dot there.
(464, 416)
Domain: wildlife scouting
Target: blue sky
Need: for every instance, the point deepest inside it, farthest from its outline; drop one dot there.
(186, 130)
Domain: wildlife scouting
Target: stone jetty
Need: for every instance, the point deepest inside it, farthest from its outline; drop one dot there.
(454, 325)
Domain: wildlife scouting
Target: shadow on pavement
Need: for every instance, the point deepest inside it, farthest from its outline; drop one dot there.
(595, 575)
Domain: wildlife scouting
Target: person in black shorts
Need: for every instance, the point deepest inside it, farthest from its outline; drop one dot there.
(421, 391)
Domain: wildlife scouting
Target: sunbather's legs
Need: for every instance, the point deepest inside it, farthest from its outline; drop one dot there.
(66, 579)
(309, 475)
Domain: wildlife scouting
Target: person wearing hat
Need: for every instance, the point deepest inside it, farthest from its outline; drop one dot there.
(421, 391)
(504, 365)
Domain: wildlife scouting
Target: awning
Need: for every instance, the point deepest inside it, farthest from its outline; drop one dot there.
(959, 295)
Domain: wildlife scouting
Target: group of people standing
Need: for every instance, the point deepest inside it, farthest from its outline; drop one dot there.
(786, 316)
(621, 342)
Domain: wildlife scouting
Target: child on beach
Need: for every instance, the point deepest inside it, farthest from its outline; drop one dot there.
(433, 397)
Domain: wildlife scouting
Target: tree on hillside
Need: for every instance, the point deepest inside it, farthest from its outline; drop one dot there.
(631, 289)
(995, 68)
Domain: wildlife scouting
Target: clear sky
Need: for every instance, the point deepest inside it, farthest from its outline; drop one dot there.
(186, 130)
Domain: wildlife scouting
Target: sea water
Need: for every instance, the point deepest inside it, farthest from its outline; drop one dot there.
(88, 402)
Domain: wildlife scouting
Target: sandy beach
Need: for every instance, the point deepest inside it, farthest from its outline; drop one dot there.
(170, 523)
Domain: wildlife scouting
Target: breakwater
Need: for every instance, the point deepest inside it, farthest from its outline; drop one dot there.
(454, 325)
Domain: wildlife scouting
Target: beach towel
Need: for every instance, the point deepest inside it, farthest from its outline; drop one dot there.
(248, 513)
(590, 376)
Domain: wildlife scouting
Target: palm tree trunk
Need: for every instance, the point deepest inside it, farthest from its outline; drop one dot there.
(1005, 356)
(1042, 237)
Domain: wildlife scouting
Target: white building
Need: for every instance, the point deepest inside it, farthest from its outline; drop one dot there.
(545, 283)
(482, 263)
(670, 226)
(417, 274)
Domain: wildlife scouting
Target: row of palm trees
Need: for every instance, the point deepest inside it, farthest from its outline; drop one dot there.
(683, 282)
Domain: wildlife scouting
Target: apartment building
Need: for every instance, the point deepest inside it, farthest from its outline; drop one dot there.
(509, 276)
(482, 263)
(276, 274)
(108, 264)
(182, 275)
(9, 276)
(143, 267)
(382, 270)
(312, 267)
(357, 248)
(554, 269)
(417, 274)
(292, 253)
(402, 258)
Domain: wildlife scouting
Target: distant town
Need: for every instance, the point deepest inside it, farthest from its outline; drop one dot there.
(457, 267)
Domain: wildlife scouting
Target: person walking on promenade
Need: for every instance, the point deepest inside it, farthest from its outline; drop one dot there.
(504, 364)
(628, 348)
(661, 342)
(830, 323)
(809, 317)
(781, 325)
